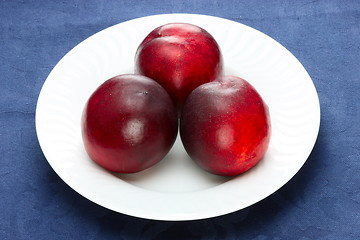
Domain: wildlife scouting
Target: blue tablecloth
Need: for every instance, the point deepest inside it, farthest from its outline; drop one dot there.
(321, 202)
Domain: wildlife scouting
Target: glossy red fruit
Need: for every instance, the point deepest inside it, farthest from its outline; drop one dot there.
(129, 124)
(180, 57)
(225, 126)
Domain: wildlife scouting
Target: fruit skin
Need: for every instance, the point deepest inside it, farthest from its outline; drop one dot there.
(225, 126)
(181, 57)
(129, 124)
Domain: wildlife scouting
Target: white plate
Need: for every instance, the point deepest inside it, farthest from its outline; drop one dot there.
(176, 189)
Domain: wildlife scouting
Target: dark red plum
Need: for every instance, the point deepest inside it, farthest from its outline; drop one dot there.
(129, 124)
(180, 57)
(225, 126)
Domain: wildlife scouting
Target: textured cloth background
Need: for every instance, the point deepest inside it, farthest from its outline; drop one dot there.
(321, 202)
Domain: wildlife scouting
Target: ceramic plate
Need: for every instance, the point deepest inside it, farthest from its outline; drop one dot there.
(176, 189)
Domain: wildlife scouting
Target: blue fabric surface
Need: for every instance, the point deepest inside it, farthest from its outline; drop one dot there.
(321, 202)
